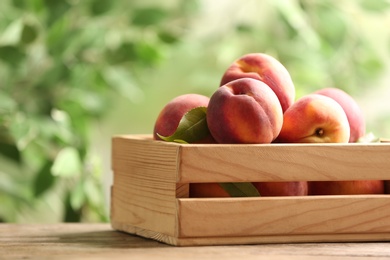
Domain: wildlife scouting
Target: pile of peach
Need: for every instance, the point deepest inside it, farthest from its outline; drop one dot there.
(255, 104)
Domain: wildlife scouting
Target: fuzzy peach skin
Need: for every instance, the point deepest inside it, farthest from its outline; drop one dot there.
(171, 114)
(244, 111)
(265, 68)
(314, 118)
(346, 187)
(207, 190)
(352, 110)
(294, 188)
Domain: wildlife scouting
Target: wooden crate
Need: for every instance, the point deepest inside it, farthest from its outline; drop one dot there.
(150, 192)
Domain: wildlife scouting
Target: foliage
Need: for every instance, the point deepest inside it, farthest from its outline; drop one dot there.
(61, 64)
(322, 43)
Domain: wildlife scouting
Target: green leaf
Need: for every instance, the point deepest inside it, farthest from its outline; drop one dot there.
(7, 104)
(67, 163)
(14, 188)
(29, 33)
(149, 54)
(180, 141)
(192, 127)
(100, 7)
(93, 192)
(149, 16)
(12, 55)
(70, 214)
(9, 148)
(168, 37)
(11, 34)
(56, 9)
(240, 189)
(44, 179)
(77, 196)
(19, 3)
(123, 53)
(244, 28)
(56, 34)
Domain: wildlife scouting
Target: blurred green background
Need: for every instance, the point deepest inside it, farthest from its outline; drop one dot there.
(74, 73)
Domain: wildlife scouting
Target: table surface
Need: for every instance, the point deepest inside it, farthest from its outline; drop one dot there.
(100, 241)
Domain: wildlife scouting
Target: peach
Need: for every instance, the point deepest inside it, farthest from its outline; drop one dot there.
(171, 114)
(314, 118)
(244, 111)
(346, 187)
(293, 188)
(207, 190)
(352, 110)
(265, 68)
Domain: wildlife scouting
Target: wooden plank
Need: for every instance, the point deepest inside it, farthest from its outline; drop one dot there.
(284, 162)
(246, 217)
(100, 241)
(144, 207)
(144, 187)
(282, 239)
(146, 154)
(252, 240)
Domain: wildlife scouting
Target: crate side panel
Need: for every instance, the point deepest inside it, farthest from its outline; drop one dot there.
(129, 151)
(276, 162)
(144, 187)
(145, 233)
(284, 216)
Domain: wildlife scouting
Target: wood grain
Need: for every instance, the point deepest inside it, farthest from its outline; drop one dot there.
(287, 162)
(100, 241)
(144, 187)
(237, 217)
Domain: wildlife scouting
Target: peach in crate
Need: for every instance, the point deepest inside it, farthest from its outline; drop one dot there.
(150, 192)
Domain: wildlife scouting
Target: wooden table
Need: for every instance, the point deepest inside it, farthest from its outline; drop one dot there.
(100, 241)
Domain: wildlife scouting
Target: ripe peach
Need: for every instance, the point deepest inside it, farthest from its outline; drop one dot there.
(314, 118)
(244, 111)
(346, 187)
(265, 68)
(352, 110)
(293, 188)
(171, 114)
(207, 190)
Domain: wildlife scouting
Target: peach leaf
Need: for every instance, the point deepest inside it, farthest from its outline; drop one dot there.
(240, 189)
(192, 127)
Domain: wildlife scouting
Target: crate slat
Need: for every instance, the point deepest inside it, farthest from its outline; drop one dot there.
(284, 216)
(289, 162)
